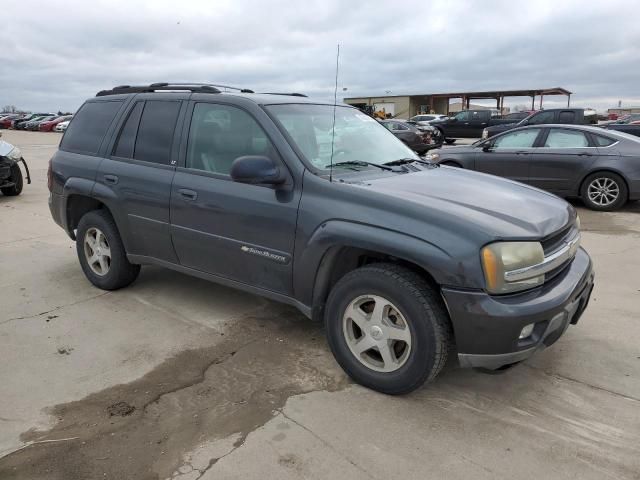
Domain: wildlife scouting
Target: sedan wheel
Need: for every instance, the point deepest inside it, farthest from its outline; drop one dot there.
(604, 191)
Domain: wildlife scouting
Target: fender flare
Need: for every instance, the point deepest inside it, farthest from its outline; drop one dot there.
(321, 251)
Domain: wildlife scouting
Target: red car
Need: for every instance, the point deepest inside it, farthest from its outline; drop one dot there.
(7, 121)
(51, 124)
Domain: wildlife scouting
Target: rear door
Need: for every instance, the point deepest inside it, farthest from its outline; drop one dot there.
(478, 121)
(562, 159)
(138, 173)
(509, 155)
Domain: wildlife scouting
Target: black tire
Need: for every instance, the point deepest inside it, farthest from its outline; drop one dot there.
(16, 178)
(450, 163)
(618, 181)
(120, 272)
(449, 141)
(417, 301)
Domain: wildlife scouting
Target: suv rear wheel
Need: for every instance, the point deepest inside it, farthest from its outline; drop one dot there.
(387, 328)
(101, 252)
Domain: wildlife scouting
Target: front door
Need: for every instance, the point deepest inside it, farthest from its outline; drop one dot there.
(237, 231)
(509, 154)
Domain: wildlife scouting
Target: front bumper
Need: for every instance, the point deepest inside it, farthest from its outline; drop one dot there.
(487, 327)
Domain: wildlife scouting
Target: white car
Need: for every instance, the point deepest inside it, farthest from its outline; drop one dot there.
(62, 126)
(426, 118)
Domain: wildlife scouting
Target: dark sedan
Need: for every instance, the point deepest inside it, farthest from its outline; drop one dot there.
(600, 166)
(418, 138)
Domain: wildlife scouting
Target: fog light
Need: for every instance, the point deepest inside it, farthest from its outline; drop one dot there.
(526, 331)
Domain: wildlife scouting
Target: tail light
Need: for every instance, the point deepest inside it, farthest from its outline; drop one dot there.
(50, 177)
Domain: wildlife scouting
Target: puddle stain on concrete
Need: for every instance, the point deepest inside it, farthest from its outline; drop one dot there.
(143, 429)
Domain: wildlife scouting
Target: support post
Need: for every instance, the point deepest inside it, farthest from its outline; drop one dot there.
(568, 100)
(541, 97)
(533, 102)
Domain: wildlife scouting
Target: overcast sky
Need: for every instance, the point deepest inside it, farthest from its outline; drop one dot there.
(53, 55)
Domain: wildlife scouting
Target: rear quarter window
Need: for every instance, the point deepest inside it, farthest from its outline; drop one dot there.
(89, 126)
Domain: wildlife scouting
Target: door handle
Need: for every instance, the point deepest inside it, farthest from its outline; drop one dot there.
(112, 179)
(189, 195)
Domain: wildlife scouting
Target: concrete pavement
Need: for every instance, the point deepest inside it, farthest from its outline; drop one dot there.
(175, 377)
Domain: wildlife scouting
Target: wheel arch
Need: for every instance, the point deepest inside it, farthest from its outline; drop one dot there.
(605, 170)
(350, 246)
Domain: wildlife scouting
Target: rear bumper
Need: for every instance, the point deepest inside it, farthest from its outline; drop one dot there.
(487, 328)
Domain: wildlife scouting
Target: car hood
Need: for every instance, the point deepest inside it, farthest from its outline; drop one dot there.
(500, 208)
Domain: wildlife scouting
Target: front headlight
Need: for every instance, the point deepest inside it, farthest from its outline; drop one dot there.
(502, 257)
(432, 156)
(14, 154)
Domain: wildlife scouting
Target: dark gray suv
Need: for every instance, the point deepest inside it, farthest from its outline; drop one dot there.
(321, 207)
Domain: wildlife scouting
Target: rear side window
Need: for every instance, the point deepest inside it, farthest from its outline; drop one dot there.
(155, 133)
(559, 138)
(147, 134)
(603, 141)
(567, 117)
(89, 125)
(127, 138)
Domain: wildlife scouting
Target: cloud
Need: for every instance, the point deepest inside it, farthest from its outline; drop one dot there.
(55, 55)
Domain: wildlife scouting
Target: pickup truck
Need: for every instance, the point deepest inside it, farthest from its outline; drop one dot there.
(467, 124)
(574, 116)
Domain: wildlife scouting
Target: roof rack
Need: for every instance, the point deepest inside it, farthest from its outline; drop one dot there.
(171, 86)
(294, 94)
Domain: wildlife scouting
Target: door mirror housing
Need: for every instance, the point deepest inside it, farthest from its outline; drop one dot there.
(487, 147)
(256, 170)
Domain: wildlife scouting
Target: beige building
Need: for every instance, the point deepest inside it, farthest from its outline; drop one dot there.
(405, 106)
(624, 110)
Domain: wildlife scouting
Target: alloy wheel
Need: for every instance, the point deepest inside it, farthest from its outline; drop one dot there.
(603, 191)
(377, 334)
(97, 251)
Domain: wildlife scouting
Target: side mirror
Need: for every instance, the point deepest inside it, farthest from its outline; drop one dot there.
(487, 147)
(256, 170)
(452, 119)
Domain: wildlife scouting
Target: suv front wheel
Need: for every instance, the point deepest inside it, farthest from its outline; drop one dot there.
(101, 252)
(387, 328)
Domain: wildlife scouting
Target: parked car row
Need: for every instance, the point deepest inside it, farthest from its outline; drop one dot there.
(597, 165)
(43, 122)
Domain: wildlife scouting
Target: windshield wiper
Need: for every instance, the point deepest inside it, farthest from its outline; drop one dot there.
(360, 163)
(402, 161)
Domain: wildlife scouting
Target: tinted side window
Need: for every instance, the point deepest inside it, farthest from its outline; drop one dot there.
(89, 125)
(462, 116)
(558, 138)
(603, 141)
(127, 137)
(567, 117)
(155, 133)
(221, 133)
(541, 118)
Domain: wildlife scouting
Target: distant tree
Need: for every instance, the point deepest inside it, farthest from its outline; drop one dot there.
(9, 109)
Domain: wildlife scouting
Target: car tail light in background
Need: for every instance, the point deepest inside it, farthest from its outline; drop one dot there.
(50, 177)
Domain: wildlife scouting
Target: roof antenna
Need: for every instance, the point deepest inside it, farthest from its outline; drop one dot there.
(333, 128)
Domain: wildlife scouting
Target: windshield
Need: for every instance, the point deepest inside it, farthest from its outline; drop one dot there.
(358, 137)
